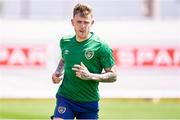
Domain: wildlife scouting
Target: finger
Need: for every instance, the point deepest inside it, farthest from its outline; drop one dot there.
(82, 64)
(57, 80)
(77, 66)
(75, 69)
(54, 80)
(78, 75)
(54, 76)
(82, 71)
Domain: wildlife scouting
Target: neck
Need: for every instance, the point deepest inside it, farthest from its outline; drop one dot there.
(81, 40)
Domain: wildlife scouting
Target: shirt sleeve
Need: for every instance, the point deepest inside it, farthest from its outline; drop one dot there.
(106, 56)
(61, 47)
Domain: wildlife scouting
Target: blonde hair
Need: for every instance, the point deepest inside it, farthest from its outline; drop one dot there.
(82, 9)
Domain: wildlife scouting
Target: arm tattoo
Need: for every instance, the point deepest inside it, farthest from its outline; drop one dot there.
(108, 76)
(60, 67)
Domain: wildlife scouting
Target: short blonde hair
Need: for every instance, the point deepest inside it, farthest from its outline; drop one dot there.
(82, 9)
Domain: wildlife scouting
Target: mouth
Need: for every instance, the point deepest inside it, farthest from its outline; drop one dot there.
(81, 31)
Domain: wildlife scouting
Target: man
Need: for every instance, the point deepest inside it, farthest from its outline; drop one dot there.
(84, 57)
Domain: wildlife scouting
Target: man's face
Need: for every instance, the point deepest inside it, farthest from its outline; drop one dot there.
(82, 26)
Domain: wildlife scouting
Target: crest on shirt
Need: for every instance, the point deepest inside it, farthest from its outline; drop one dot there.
(89, 54)
(61, 109)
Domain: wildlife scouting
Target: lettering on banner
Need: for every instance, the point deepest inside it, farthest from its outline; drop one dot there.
(161, 57)
(22, 56)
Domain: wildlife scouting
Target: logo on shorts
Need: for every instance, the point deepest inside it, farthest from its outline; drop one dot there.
(89, 54)
(61, 109)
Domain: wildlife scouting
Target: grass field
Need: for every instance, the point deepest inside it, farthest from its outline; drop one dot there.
(109, 109)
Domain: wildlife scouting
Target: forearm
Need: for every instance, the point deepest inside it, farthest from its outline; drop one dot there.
(60, 67)
(83, 73)
(104, 77)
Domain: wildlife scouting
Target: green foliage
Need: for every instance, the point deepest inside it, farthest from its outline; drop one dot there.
(109, 109)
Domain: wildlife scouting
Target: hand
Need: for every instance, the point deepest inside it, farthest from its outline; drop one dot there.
(56, 78)
(81, 71)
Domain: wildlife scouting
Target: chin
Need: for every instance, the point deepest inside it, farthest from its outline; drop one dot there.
(82, 37)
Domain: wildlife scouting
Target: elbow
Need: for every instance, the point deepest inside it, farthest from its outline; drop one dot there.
(114, 74)
(115, 78)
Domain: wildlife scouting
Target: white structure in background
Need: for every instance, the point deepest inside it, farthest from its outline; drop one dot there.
(30, 53)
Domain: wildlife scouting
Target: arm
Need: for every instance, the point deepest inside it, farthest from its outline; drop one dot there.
(108, 76)
(56, 75)
(83, 73)
(60, 68)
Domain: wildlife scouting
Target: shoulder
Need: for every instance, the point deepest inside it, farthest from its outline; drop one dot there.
(102, 43)
(98, 40)
(67, 38)
(103, 46)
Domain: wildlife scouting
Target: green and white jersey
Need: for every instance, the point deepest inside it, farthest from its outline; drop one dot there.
(95, 55)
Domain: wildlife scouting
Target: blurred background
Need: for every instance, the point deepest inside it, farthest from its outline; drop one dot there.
(144, 36)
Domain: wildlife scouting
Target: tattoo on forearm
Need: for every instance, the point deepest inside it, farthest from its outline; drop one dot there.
(105, 77)
(108, 76)
(83, 73)
(60, 67)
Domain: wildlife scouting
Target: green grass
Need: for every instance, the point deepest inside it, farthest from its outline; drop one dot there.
(109, 109)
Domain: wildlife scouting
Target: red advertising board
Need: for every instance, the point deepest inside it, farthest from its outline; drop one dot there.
(22, 55)
(147, 56)
(125, 56)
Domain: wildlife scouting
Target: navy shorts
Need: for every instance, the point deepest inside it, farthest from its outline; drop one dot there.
(68, 109)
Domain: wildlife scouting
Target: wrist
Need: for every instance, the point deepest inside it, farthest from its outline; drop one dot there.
(57, 74)
(92, 76)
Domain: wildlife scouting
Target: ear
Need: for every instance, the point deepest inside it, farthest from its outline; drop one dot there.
(92, 22)
(72, 22)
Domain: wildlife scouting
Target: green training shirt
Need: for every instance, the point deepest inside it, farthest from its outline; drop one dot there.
(95, 55)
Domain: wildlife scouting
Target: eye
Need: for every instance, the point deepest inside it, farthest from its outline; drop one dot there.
(79, 22)
(86, 22)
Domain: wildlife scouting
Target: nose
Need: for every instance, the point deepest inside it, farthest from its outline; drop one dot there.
(82, 25)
